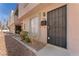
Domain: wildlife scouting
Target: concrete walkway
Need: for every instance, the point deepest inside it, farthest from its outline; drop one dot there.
(12, 47)
(51, 50)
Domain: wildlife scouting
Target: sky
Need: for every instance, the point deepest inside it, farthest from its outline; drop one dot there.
(5, 10)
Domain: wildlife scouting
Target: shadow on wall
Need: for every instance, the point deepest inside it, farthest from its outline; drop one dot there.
(14, 48)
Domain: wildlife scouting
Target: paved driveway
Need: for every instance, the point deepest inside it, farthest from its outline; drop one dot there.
(11, 47)
(15, 48)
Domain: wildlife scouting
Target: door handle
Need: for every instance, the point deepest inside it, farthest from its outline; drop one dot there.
(48, 38)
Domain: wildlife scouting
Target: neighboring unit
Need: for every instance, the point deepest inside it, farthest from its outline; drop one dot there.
(13, 23)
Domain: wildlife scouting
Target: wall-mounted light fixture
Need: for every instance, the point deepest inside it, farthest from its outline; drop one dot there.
(44, 14)
(43, 22)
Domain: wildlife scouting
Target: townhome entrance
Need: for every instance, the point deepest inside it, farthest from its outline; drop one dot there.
(57, 26)
(35, 27)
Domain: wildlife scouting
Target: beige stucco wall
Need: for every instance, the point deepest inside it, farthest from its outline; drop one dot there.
(12, 28)
(38, 11)
(73, 28)
(25, 9)
(25, 24)
(72, 24)
(11, 22)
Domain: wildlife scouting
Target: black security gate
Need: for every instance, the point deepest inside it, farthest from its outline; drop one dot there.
(57, 26)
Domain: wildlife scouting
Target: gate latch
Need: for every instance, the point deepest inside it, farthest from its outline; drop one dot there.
(48, 37)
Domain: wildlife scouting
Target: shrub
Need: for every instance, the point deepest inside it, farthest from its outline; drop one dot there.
(24, 36)
(17, 32)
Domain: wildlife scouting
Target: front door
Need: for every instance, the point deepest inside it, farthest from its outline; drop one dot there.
(57, 30)
(35, 27)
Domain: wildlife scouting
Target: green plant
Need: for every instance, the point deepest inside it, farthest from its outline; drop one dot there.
(24, 36)
(18, 31)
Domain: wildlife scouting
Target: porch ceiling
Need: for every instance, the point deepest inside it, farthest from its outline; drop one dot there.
(38, 7)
